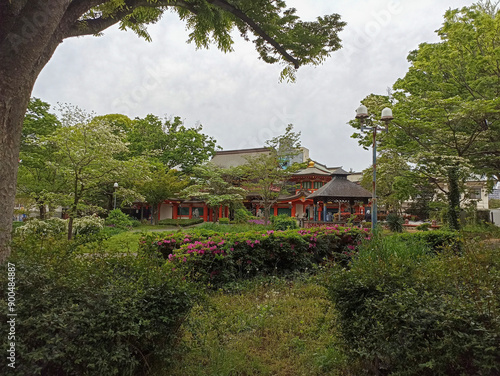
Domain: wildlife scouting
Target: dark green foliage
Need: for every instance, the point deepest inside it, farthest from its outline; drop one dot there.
(17, 224)
(218, 258)
(436, 240)
(242, 215)
(224, 221)
(284, 222)
(395, 222)
(406, 311)
(134, 222)
(424, 227)
(482, 230)
(180, 222)
(119, 219)
(91, 315)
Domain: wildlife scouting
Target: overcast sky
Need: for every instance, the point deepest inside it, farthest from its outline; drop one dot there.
(237, 97)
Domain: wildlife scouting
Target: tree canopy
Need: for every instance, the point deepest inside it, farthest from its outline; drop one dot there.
(447, 107)
(31, 31)
(170, 142)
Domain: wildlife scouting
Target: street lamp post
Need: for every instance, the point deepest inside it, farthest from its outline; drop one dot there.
(114, 194)
(368, 125)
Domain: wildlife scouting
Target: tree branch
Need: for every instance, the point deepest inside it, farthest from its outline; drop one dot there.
(256, 28)
(95, 26)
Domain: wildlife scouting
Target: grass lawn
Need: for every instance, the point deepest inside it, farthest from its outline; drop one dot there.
(270, 327)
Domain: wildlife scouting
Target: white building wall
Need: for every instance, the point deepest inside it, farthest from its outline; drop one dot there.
(165, 211)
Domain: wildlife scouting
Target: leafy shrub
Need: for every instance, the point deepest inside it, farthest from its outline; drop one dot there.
(423, 227)
(134, 222)
(180, 222)
(224, 221)
(48, 227)
(482, 230)
(242, 215)
(119, 219)
(283, 222)
(17, 224)
(436, 240)
(92, 315)
(395, 222)
(88, 225)
(219, 258)
(406, 311)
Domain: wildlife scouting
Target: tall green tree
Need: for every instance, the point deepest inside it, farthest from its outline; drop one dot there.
(268, 174)
(170, 142)
(31, 31)
(159, 185)
(215, 186)
(85, 156)
(447, 107)
(38, 179)
(392, 170)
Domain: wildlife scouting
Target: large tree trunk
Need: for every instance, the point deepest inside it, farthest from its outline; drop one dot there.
(13, 104)
(43, 210)
(26, 45)
(453, 199)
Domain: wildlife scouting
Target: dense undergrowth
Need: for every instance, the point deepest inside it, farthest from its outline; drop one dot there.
(407, 311)
(326, 301)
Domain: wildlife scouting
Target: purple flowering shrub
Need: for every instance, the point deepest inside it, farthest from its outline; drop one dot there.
(218, 258)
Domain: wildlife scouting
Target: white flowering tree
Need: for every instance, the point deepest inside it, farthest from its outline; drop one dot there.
(85, 156)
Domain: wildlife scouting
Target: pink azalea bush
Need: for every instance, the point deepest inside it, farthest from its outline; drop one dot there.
(223, 257)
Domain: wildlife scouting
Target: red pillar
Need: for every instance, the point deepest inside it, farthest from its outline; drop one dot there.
(205, 213)
(220, 212)
(320, 209)
(174, 211)
(275, 211)
(190, 211)
(293, 210)
(159, 211)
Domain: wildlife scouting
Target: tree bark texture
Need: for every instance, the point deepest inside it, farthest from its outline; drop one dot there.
(453, 198)
(26, 45)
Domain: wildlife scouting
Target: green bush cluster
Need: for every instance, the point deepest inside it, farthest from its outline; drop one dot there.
(224, 221)
(407, 311)
(436, 240)
(284, 222)
(117, 218)
(242, 215)
(180, 222)
(219, 258)
(91, 315)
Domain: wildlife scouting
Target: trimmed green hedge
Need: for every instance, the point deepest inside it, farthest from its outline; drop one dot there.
(92, 314)
(180, 222)
(217, 258)
(405, 310)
